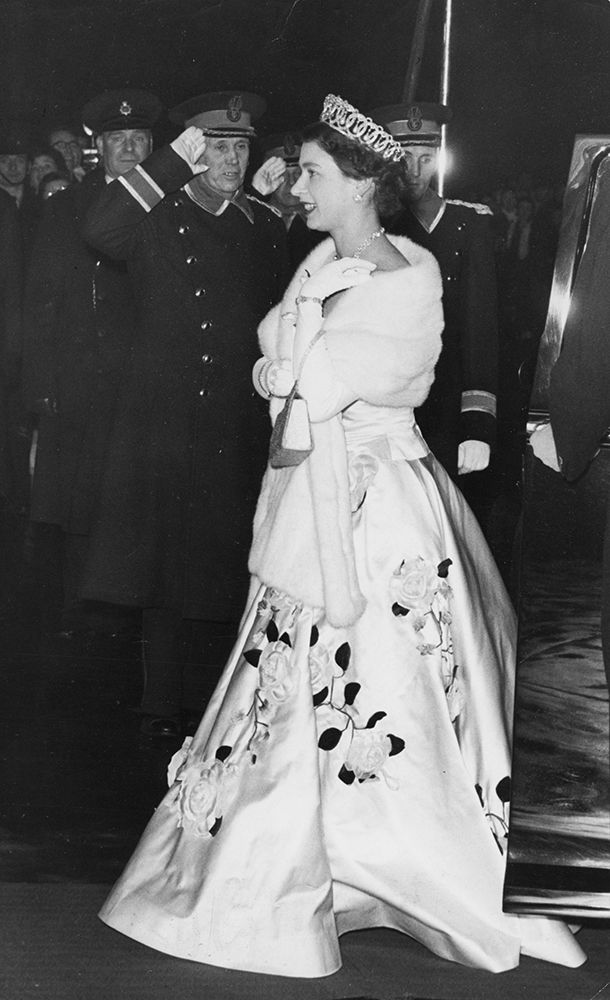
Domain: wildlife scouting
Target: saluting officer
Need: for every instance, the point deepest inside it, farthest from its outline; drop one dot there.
(188, 453)
(274, 181)
(458, 420)
(79, 323)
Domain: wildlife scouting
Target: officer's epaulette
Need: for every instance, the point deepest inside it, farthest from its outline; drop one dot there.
(479, 209)
(251, 197)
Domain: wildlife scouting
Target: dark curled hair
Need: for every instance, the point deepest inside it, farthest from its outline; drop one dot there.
(356, 160)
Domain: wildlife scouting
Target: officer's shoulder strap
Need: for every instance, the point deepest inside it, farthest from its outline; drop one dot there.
(477, 206)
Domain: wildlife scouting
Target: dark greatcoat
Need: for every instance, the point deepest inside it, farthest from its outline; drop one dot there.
(78, 328)
(463, 243)
(10, 336)
(191, 437)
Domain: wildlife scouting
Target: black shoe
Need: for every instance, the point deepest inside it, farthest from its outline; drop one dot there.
(157, 725)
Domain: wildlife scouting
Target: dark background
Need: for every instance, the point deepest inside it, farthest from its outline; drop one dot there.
(526, 74)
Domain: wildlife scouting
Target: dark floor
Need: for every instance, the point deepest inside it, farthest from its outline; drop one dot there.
(78, 784)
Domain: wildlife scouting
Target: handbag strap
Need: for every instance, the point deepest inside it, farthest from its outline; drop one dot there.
(311, 343)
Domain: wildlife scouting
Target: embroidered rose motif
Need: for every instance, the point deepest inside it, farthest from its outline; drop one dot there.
(362, 470)
(414, 584)
(202, 795)
(368, 753)
(276, 681)
(319, 660)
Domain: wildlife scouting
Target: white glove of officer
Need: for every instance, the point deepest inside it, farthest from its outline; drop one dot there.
(269, 176)
(473, 456)
(190, 145)
(543, 446)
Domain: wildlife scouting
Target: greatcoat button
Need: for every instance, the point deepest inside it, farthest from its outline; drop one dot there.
(206, 324)
(199, 292)
(191, 259)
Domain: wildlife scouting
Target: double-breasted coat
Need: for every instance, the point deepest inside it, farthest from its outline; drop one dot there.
(78, 329)
(462, 402)
(191, 436)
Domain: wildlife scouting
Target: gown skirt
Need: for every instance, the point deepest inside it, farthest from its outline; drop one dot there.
(357, 777)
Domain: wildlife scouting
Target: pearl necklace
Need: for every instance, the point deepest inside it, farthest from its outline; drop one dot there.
(367, 242)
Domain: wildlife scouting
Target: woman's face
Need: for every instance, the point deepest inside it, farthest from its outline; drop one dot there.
(326, 194)
(39, 168)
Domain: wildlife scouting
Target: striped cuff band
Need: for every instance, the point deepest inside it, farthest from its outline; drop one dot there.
(479, 401)
(142, 187)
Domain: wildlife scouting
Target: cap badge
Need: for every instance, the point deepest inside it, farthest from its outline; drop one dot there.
(234, 108)
(290, 145)
(414, 118)
(125, 108)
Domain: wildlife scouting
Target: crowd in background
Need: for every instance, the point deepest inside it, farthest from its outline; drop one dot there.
(526, 220)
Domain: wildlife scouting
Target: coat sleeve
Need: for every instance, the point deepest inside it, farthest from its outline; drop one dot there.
(10, 290)
(580, 380)
(112, 222)
(479, 334)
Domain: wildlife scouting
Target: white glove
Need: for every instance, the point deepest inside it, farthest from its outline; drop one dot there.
(337, 276)
(273, 378)
(473, 456)
(190, 145)
(543, 446)
(269, 176)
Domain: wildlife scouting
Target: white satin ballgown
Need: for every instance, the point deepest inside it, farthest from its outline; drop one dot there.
(356, 777)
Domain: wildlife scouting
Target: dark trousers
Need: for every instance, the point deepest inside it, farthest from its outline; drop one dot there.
(170, 645)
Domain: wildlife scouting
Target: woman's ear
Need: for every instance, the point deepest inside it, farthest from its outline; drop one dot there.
(365, 188)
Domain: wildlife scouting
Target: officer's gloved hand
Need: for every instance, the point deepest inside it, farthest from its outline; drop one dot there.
(190, 145)
(269, 176)
(473, 456)
(543, 445)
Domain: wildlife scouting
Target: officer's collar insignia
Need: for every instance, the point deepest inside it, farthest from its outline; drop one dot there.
(234, 109)
(125, 108)
(414, 118)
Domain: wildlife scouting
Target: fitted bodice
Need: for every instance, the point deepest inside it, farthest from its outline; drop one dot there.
(383, 429)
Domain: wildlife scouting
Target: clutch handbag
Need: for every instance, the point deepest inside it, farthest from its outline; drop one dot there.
(291, 440)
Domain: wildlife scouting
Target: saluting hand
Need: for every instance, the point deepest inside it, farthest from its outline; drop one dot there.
(269, 176)
(190, 145)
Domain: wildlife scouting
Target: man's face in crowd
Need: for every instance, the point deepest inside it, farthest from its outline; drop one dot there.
(41, 166)
(283, 197)
(227, 161)
(13, 168)
(420, 164)
(66, 143)
(123, 149)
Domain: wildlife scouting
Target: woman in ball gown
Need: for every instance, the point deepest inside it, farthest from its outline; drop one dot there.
(352, 768)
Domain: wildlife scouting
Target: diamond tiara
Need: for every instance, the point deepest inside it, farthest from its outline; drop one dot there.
(350, 122)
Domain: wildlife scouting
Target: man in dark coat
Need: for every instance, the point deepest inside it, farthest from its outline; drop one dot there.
(274, 181)
(190, 441)
(79, 321)
(11, 447)
(458, 420)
